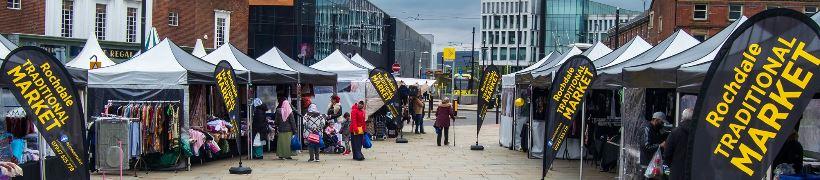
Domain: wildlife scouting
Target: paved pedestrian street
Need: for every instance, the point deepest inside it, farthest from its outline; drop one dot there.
(419, 159)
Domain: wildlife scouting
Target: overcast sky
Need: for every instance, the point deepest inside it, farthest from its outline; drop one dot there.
(451, 21)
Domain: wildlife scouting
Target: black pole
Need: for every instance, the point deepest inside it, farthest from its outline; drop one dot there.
(617, 27)
(472, 60)
(518, 37)
(299, 9)
(542, 25)
(142, 24)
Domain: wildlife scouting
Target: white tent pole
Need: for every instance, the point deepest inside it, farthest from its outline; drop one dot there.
(583, 123)
(299, 103)
(677, 108)
(41, 143)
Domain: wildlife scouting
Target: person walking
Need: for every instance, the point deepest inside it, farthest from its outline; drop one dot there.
(285, 126)
(260, 127)
(418, 114)
(357, 128)
(444, 114)
(677, 148)
(315, 122)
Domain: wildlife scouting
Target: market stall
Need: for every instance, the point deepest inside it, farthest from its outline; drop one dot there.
(610, 75)
(509, 83)
(351, 81)
(164, 83)
(597, 51)
(199, 49)
(278, 59)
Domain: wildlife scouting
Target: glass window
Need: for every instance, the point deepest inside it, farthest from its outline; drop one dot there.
(131, 25)
(772, 6)
(99, 19)
(700, 12)
(68, 18)
(503, 54)
(222, 26)
(735, 11)
(511, 37)
(483, 22)
(513, 54)
(173, 18)
(522, 53)
(13, 4)
(497, 22)
(700, 37)
(504, 22)
(810, 10)
(494, 54)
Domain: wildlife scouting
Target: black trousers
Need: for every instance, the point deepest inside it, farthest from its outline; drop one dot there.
(356, 141)
(446, 132)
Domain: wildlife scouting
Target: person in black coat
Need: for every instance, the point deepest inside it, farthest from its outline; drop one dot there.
(653, 139)
(260, 126)
(676, 152)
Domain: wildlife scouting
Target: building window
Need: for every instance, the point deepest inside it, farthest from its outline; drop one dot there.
(524, 21)
(510, 37)
(503, 54)
(700, 37)
(810, 10)
(222, 26)
(173, 19)
(100, 21)
(68, 18)
(772, 6)
(497, 22)
(494, 54)
(131, 25)
(484, 22)
(13, 4)
(701, 12)
(651, 19)
(735, 11)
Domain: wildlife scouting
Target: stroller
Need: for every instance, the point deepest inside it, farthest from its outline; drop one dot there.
(332, 140)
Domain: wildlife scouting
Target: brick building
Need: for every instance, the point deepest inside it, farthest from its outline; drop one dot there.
(62, 26)
(700, 18)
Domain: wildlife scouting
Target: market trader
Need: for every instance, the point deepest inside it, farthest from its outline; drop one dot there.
(653, 139)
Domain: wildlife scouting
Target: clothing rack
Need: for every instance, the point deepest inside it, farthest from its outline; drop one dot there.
(139, 159)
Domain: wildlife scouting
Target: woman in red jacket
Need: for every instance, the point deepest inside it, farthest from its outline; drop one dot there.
(357, 129)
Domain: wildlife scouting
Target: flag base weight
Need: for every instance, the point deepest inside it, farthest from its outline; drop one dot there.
(477, 147)
(240, 170)
(401, 140)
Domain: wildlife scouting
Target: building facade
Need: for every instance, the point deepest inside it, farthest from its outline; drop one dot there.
(287, 25)
(407, 48)
(356, 23)
(508, 32)
(565, 23)
(702, 19)
(602, 17)
(62, 26)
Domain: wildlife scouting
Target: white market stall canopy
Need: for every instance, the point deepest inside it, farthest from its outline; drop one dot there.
(358, 59)
(91, 53)
(509, 80)
(662, 73)
(345, 69)
(199, 49)
(629, 50)
(278, 59)
(597, 51)
(164, 64)
(261, 73)
(611, 76)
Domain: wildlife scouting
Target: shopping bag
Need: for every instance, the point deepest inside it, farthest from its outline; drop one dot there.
(367, 143)
(314, 138)
(654, 169)
(256, 140)
(295, 144)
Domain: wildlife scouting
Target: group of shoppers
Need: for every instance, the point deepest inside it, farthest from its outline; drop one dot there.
(352, 128)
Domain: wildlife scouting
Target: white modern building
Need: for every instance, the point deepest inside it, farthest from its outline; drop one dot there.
(509, 32)
(601, 18)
